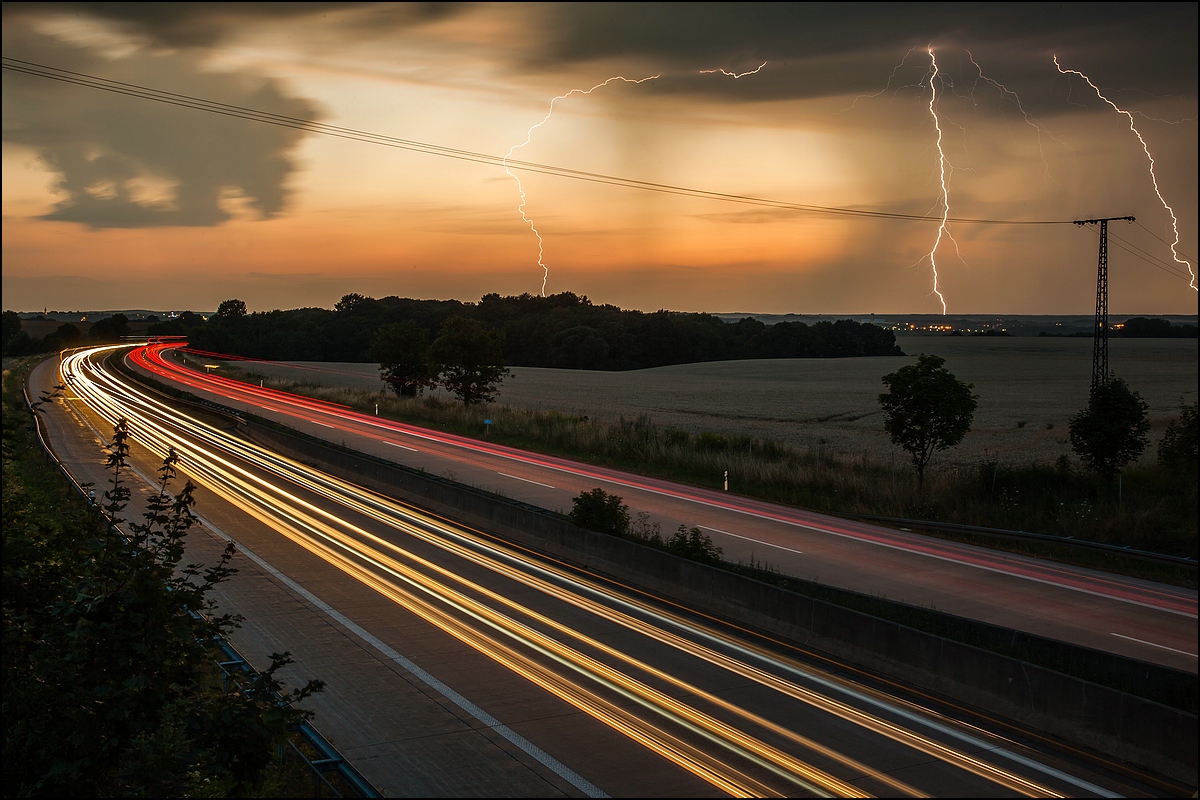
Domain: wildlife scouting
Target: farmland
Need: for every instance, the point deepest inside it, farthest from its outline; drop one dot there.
(1028, 389)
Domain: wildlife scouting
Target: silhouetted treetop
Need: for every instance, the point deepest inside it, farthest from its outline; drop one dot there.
(562, 330)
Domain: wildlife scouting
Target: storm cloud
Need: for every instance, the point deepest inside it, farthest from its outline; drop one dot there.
(124, 162)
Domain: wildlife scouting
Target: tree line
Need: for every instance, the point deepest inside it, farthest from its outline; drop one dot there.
(563, 331)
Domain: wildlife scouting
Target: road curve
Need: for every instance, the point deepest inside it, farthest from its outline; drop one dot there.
(719, 712)
(1137, 618)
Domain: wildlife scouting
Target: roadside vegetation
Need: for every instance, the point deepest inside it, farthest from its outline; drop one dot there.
(1153, 506)
(111, 680)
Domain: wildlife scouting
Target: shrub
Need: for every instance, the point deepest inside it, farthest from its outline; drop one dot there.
(600, 511)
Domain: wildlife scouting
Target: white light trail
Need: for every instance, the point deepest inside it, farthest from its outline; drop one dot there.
(528, 137)
(1153, 178)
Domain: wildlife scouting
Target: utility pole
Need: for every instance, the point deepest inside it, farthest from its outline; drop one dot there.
(1100, 372)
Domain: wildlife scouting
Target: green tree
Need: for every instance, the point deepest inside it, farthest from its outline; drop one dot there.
(231, 309)
(110, 683)
(926, 409)
(109, 329)
(11, 327)
(1177, 449)
(1112, 430)
(468, 360)
(694, 544)
(403, 355)
(600, 511)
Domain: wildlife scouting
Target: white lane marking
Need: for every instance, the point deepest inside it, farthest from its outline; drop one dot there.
(1152, 644)
(769, 517)
(748, 539)
(551, 763)
(515, 478)
(404, 446)
(321, 423)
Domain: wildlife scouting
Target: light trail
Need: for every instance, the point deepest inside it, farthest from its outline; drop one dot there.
(1099, 585)
(1153, 177)
(533, 643)
(528, 138)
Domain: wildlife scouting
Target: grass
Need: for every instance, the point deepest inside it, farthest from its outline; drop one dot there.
(1155, 510)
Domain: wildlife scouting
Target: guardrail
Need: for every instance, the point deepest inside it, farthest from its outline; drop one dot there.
(898, 522)
(329, 760)
(1145, 555)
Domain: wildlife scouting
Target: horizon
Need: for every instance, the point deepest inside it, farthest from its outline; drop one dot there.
(802, 156)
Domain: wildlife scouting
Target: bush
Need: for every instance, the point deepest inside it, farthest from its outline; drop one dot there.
(600, 511)
(1177, 450)
(694, 544)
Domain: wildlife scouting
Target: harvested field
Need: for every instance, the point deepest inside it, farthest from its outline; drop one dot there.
(1028, 389)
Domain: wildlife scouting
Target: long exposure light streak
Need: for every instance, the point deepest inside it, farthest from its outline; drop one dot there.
(151, 358)
(536, 648)
(1153, 177)
(528, 137)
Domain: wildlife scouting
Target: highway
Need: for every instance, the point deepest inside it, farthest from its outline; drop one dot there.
(1137, 618)
(632, 697)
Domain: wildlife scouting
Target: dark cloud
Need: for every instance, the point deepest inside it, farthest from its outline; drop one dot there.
(108, 148)
(822, 49)
(208, 24)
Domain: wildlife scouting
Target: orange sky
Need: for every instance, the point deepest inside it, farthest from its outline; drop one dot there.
(115, 202)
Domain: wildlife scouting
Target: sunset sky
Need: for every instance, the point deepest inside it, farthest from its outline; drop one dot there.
(111, 201)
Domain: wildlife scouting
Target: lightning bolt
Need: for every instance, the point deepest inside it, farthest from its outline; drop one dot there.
(734, 74)
(545, 119)
(943, 229)
(1029, 118)
(1153, 177)
(528, 137)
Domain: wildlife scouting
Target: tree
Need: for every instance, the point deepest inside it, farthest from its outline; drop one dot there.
(468, 360)
(402, 352)
(1112, 431)
(110, 683)
(600, 511)
(354, 302)
(694, 544)
(926, 409)
(11, 327)
(1177, 450)
(231, 309)
(109, 329)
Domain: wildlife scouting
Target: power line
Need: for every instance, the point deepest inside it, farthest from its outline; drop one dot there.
(1142, 255)
(1164, 241)
(312, 126)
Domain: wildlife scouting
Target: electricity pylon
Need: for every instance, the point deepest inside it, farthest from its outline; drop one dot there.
(1100, 374)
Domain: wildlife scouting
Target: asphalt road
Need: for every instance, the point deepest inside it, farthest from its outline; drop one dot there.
(592, 688)
(1133, 617)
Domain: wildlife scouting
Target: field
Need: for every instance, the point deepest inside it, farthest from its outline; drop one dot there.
(1028, 389)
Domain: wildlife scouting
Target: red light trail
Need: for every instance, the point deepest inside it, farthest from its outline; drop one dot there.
(339, 417)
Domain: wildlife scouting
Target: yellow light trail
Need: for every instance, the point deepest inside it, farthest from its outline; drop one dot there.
(340, 543)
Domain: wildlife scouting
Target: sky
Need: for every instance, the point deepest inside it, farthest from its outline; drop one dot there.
(112, 201)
